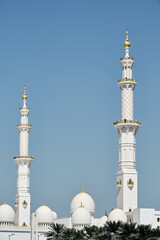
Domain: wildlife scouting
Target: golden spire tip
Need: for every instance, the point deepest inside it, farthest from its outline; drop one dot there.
(82, 189)
(5, 202)
(127, 42)
(44, 203)
(24, 97)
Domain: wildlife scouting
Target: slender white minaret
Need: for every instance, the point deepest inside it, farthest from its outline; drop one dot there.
(23, 162)
(127, 129)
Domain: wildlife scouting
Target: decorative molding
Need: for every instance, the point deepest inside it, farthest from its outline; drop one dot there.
(127, 121)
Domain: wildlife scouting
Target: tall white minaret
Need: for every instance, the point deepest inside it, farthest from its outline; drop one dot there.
(23, 162)
(127, 128)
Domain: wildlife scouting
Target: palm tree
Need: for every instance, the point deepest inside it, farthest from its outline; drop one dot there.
(145, 232)
(127, 231)
(55, 232)
(104, 235)
(69, 233)
(110, 230)
(156, 232)
(78, 235)
(91, 232)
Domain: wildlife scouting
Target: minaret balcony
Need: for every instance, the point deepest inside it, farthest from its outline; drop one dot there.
(125, 58)
(127, 80)
(23, 160)
(127, 121)
(127, 83)
(24, 108)
(24, 127)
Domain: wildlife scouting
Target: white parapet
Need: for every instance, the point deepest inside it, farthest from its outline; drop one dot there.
(147, 216)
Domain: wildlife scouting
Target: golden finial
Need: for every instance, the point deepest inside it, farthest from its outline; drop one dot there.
(127, 42)
(82, 189)
(105, 213)
(81, 206)
(117, 206)
(44, 203)
(24, 97)
(5, 202)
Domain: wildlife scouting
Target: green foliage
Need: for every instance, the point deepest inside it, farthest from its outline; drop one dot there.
(146, 233)
(55, 232)
(110, 231)
(92, 232)
(127, 231)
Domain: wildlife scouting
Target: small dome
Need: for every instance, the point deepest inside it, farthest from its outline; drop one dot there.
(81, 216)
(45, 214)
(117, 215)
(102, 221)
(7, 214)
(54, 215)
(87, 201)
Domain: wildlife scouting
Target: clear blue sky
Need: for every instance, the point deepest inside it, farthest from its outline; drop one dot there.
(67, 53)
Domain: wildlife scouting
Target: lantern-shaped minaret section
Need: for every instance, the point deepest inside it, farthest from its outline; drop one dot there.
(23, 162)
(127, 128)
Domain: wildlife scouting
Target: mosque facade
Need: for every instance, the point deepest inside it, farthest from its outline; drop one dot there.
(20, 224)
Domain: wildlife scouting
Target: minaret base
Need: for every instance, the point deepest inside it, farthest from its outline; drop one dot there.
(127, 189)
(23, 199)
(127, 174)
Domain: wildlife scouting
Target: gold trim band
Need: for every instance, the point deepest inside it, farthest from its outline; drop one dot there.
(127, 80)
(126, 121)
(125, 58)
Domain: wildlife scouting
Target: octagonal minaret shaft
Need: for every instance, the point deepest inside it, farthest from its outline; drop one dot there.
(23, 162)
(24, 128)
(127, 129)
(127, 88)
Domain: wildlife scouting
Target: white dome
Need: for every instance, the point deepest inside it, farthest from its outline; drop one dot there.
(7, 214)
(81, 216)
(117, 215)
(102, 221)
(87, 201)
(54, 215)
(45, 214)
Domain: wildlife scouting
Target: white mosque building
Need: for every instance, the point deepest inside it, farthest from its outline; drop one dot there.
(20, 224)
